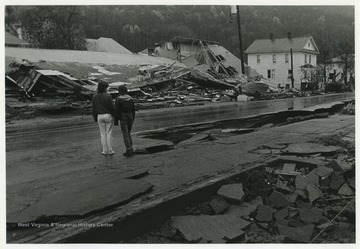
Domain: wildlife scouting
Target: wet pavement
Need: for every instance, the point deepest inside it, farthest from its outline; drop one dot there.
(32, 170)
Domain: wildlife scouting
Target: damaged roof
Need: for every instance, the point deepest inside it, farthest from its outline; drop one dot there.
(230, 59)
(281, 45)
(12, 40)
(104, 44)
(192, 41)
(88, 57)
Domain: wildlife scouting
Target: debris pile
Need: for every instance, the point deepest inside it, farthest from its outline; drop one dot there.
(288, 203)
(308, 198)
(350, 108)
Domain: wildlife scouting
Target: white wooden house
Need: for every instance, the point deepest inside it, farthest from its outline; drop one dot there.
(272, 59)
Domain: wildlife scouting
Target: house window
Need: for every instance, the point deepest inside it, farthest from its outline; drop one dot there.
(271, 73)
(286, 58)
(309, 44)
(306, 59)
(289, 74)
(258, 59)
(309, 58)
(274, 58)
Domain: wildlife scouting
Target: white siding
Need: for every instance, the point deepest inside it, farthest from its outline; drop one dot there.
(309, 46)
(281, 67)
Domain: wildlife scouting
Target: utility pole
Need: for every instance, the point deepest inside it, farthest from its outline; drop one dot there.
(240, 40)
(292, 69)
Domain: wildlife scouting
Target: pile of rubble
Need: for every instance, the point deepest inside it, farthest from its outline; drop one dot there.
(289, 199)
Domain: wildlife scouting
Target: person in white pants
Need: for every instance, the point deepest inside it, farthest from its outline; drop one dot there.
(106, 123)
(103, 113)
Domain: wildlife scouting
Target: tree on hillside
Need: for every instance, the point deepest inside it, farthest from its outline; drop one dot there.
(53, 27)
(325, 42)
(345, 50)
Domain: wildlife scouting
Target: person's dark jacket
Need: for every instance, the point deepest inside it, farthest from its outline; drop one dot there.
(119, 113)
(102, 104)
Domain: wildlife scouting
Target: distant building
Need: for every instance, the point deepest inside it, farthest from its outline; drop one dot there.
(13, 41)
(335, 71)
(104, 44)
(271, 58)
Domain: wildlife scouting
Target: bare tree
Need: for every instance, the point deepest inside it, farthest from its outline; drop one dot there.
(346, 58)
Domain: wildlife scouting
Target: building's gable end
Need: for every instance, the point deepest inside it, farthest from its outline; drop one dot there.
(310, 46)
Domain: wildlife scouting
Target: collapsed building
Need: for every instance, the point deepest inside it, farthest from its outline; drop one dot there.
(184, 71)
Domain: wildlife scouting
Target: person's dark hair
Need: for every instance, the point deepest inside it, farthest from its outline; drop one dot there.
(102, 86)
(122, 90)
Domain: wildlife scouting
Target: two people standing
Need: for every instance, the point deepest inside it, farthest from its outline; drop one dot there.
(107, 115)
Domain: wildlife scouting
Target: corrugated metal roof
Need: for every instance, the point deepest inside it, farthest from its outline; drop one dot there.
(281, 45)
(104, 44)
(13, 40)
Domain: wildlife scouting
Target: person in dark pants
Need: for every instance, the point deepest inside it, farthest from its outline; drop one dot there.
(103, 112)
(125, 112)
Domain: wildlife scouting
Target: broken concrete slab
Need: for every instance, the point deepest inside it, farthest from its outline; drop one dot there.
(309, 148)
(292, 197)
(278, 200)
(261, 151)
(301, 182)
(219, 205)
(292, 212)
(351, 182)
(336, 166)
(133, 174)
(300, 162)
(345, 190)
(324, 181)
(310, 179)
(336, 181)
(232, 192)
(275, 146)
(282, 214)
(195, 138)
(328, 226)
(288, 169)
(310, 215)
(246, 208)
(282, 221)
(153, 146)
(167, 231)
(314, 193)
(302, 193)
(215, 229)
(263, 225)
(323, 171)
(236, 236)
(303, 204)
(295, 222)
(313, 178)
(281, 186)
(83, 198)
(297, 234)
(264, 213)
(238, 131)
